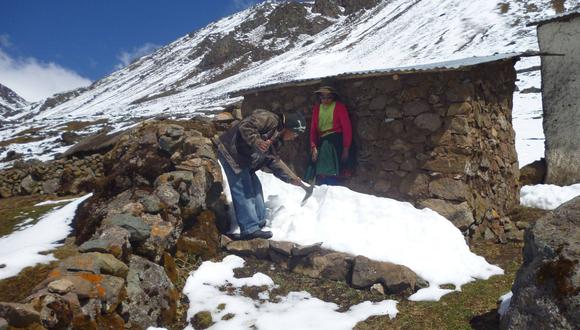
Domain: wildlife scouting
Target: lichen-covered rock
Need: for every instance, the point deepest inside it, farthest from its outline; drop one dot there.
(546, 291)
(113, 240)
(97, 263)
(151, 297)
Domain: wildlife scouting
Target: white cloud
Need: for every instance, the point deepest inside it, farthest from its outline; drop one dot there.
(35, 80)
(126, 57)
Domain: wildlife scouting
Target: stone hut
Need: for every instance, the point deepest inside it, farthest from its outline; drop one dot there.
(437, 135)
(560, 96)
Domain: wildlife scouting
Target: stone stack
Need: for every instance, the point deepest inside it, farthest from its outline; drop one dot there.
(61, 176)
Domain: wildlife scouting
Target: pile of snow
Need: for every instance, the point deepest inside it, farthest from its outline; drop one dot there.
(548, 196)
(298, 310)
(379, 228)
(20, 249)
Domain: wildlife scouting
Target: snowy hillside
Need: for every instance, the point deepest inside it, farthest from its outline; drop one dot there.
(10, 102)
(281, 41)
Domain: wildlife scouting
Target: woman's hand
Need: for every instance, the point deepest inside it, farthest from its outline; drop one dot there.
(344, 156)
(314, 154)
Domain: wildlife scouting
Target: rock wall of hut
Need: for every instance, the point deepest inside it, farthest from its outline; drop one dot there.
(438, 139)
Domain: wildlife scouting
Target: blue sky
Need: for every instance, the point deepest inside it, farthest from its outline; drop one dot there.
(52, 46)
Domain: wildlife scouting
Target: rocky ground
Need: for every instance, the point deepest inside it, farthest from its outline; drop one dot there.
(474, 307)
(157, 212)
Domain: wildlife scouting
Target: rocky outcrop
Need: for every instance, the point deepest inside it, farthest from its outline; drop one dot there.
(546, 291)
(317, 262)
(160, 194)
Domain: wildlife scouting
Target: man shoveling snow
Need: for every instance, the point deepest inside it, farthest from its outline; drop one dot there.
(248, 146)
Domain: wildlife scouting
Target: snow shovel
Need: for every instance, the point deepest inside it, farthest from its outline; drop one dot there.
(308, 190)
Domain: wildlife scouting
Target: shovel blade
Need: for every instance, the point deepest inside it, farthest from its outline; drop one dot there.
(308, 191)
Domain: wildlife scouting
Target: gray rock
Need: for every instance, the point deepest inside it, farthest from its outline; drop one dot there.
(459, 214)
(2, 266)
(169, 144)
(284, 248)
(396, 279)
(113, 240)
(62, 286)
(151, 203)
(167, 195)
(416, 107)
(450, 189)
(303, 250)
(256, 247)
(97, 263)
(19, 315)
(546, 291)
(138, 229)
(51, 186)
(377, 288)
(333, 266)
(428, 121)
(3, 324)
(28, 184)
(151, 297)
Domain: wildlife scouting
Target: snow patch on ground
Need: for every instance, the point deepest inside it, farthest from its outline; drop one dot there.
(21, 248)
(298, 310)
(548, 196)
(379, 228)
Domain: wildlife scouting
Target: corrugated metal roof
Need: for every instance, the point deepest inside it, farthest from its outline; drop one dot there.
(560, 17)
(431, 67)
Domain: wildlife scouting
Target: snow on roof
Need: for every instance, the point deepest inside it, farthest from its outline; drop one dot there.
(429, 67)
(560, 17)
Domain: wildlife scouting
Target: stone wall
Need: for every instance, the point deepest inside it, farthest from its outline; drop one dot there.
(560, 90)
(437, 139)
(62, 176)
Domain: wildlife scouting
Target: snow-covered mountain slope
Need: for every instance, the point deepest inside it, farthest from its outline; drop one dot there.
(280, 41)
(10, 102)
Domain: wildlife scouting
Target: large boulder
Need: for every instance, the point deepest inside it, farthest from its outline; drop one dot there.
(546, 291)
(396, 279)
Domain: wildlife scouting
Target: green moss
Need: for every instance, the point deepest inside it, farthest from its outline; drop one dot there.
(202, 320)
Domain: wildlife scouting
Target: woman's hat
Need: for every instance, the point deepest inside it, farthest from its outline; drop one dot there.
(326, 89)
(295, 121)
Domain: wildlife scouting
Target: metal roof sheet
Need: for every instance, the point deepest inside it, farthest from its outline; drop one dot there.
(560, 17)
(430, 67)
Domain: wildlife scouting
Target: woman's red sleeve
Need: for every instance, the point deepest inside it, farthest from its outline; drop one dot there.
(346, 126)
(314, 126)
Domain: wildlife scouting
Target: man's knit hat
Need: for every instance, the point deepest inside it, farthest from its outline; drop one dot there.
(295, 121)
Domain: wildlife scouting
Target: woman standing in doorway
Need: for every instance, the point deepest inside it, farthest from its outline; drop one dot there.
(330, 138)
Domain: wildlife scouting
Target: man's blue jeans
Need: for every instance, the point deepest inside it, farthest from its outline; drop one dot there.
(247, 196)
